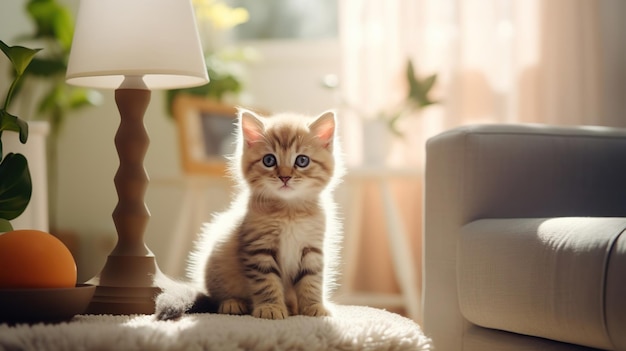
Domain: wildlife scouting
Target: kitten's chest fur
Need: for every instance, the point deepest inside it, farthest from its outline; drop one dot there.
(291, 232)
(296, 235)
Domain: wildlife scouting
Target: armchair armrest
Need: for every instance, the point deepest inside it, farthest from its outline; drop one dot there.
(509, 171)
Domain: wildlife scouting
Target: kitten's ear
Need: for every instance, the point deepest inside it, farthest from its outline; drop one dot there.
(324, 127)
(251, 126)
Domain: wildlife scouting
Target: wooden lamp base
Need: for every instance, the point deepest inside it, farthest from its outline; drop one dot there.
(127, 283)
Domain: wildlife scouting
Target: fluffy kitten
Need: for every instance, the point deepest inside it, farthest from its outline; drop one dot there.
(270, 254)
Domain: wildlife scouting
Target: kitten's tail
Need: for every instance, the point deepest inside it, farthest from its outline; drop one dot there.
(178, 298)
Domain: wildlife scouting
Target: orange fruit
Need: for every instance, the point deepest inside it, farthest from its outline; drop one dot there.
(35, 259)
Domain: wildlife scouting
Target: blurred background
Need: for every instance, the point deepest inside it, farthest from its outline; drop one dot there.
(397, 71)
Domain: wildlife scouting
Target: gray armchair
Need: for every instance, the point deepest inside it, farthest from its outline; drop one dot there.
(524, 238)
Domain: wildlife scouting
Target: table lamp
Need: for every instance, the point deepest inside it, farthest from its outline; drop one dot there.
(133, 46)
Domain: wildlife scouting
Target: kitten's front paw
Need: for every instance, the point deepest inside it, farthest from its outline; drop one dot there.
(233, 306)
(268, 311)
(315, 310)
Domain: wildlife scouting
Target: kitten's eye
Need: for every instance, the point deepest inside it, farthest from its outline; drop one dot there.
(302, 161)
(269, 160)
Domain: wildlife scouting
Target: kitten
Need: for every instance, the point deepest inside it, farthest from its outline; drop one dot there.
(272, 253)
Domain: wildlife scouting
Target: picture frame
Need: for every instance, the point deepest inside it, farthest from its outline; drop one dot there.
(206, 133)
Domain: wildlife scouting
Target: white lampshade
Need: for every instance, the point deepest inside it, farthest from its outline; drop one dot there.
(154, 39)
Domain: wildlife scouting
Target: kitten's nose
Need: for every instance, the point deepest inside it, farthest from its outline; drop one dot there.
(284, 179)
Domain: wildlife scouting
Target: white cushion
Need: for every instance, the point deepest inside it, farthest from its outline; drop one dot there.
(540, 277)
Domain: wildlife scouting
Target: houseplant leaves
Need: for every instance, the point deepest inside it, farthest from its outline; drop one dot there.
(419, 88)
(20, 59)
(15, 186)
(417, 96)
(15, 180)
(52, 20)
(15, 124)
(20, 56)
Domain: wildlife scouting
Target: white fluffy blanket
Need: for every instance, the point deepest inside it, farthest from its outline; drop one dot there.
(350, 328)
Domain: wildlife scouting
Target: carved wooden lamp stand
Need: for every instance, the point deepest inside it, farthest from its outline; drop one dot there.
(133, 46)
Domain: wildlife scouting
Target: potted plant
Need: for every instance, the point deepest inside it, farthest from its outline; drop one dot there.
(30, 259)
(380, 127)
(15, 181)
(417, 98)
(43, 94)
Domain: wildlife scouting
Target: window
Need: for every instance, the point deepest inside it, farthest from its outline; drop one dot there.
(288, 19)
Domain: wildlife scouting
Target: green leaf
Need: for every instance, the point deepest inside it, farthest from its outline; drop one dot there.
(5, 226)
(393, 124)
(419, 89)
(20, 56)
(15, 124)
(46, 67)
(15, 186)
(41, 11)
(79, 97)
(51, 100)
(64, 27)
(410, 77)
(52, 20)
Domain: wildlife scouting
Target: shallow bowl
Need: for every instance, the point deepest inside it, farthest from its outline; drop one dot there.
(44, 305)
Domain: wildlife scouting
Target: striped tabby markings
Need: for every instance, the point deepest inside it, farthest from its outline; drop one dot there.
(309, 283)
(263, 272)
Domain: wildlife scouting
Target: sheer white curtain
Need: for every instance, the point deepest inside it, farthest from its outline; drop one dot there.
(497, 61)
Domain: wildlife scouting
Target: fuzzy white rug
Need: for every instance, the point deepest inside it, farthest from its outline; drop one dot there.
(351, 328)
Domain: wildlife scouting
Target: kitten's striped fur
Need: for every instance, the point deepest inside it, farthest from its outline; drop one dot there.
(270, 254)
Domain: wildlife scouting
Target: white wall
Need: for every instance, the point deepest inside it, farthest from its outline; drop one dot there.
(288, 77)
(13, 21)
